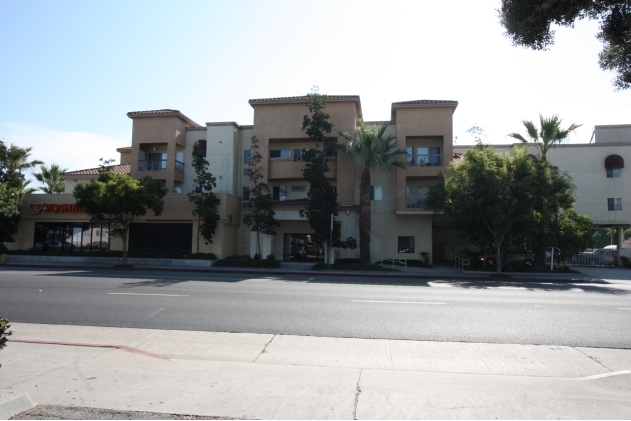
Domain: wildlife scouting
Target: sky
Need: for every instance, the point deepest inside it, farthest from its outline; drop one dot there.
(72, 70)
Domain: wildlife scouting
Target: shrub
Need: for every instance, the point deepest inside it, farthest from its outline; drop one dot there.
(4, 332)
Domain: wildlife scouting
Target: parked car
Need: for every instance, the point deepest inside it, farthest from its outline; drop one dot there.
(597, 257)
(527, 260)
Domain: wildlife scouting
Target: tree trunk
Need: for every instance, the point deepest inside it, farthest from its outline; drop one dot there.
(498, 257)
(125, 245)
(540, 261)
(364, 217)
(258, 246)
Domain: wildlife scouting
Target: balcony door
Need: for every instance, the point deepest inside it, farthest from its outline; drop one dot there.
(156, 161)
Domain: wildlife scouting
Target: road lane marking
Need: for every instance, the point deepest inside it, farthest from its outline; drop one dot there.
(602, 376)
(624, 308)
(158, 295)
(156, 312)
(396, 302)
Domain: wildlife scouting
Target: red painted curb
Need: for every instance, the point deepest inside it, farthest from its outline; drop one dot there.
(122, 347)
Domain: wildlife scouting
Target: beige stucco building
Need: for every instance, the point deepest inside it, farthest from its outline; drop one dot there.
(162, 144)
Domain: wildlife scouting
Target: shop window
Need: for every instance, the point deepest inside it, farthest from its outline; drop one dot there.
(614, 204)
(613, 172)
(73, 236)
(406, 244)
(161, 237)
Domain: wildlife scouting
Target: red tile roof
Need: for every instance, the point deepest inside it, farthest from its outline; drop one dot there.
(303, 99)
(116, 169)
(427, 102)
(161, 113)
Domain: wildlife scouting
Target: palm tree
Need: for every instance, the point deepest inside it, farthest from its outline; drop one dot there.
(373, 149)
(549, 134)
(51, 178)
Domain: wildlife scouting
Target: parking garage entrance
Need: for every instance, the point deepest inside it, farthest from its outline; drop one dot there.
(300, 247)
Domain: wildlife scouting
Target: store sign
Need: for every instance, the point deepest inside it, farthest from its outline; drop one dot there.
(52, 207)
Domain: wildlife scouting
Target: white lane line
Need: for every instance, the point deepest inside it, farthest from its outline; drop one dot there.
(158, 295)
(624, 308)
(602, 376)
(396, 302)
(440, 284)
(156, 312)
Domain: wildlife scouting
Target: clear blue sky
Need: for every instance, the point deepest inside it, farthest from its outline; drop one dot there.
(71, 70)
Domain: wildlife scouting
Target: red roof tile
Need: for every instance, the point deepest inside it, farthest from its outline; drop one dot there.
(161, 113)
(116, 169)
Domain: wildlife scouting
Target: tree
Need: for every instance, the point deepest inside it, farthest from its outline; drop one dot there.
(203, 198)
(549, 134)
(510, 203)
(322, 196)
(51, 179)
(14, 162)
(117, 199)
(4, 332)
(373, 149)
(527, 24)
(261, 217)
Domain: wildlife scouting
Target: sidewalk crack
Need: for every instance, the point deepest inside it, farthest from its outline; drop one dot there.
(593, 359)
(264, 348)
(358, 390)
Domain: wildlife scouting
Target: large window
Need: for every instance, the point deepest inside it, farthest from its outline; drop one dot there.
(613, 172)
(376, 193)
(247, 155)
(406, 244)
(279, 193)
(280, 153)
(167, 237)
(614, 204)
(71, 236)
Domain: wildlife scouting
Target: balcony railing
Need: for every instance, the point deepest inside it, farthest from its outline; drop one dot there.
(415, 203)
(159, 165)
(431, 160)
(153, 165)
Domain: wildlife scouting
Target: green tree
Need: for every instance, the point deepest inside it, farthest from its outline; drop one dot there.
(373, 149)
(4, 332)
(117, 199)
(528, 24)
(51, 179)
(547, 136)
(322, 196)
(260, 218)
(14, 163)
(203, 197)
(571, 232)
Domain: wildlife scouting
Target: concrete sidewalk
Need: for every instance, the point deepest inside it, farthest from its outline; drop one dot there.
(282, 377)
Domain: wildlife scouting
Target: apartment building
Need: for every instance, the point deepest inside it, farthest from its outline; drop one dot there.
(162, 145)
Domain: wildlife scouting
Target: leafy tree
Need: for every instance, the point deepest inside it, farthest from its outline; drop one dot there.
(51, 179)
(117, 199)
(373, 149)
(261, 217)
(322, 197)
(4, 332)
(527, 24)
(203, 198)
(549, 134)
(510, 203)
(14, 162)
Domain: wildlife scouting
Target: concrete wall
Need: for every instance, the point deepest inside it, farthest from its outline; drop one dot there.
(619, 133)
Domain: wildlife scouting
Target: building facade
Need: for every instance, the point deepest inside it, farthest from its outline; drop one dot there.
(162, 145)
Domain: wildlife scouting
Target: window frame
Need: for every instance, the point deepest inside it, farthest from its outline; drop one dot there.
(409, 246)
(614, 172)
(614, 203)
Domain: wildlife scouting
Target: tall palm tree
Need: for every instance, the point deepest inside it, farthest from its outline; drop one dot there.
(549, 134)
(373, 149)
(51, 179)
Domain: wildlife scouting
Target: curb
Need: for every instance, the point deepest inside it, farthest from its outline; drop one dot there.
(13, 405)
(441, 277)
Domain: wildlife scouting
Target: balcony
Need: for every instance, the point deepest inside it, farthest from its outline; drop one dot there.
(159, 165)
(415, 203)
(426, 160)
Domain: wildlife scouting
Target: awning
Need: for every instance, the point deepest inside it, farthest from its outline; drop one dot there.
(614, 161)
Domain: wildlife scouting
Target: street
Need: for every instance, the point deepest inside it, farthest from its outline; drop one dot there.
(591, 315)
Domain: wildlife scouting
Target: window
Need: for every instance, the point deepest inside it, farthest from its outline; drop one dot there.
(333, 189)
(246, 194)
(614, 204)
(298, 188)
(406, 244)
(613, 172)
(375, 193)
(280, 153)
(247, 155)
(298, 153)
(279, 193)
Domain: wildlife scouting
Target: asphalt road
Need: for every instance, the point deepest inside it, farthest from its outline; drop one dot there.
(525, 313)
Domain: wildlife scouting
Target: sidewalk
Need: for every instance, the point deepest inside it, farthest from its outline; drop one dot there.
(439, 272)
(281, 377)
